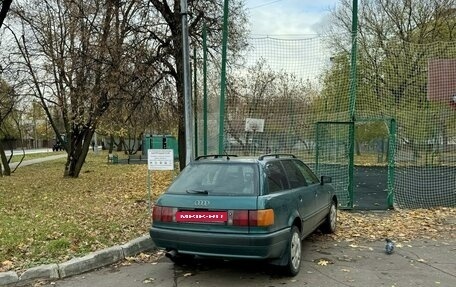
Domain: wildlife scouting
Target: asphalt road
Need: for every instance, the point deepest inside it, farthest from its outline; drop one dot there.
(347, 264)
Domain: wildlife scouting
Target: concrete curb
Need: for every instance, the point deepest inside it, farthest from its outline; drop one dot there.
(78, 265)
(50, 271)
(7, 278)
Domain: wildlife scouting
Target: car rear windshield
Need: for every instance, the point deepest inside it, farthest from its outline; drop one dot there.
(217, 178)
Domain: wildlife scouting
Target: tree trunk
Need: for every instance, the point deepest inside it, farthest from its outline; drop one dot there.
(4, 8)
(76, 158)
(6, 168)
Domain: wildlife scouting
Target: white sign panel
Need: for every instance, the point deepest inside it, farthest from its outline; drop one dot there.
(254, 125)
(160, 159)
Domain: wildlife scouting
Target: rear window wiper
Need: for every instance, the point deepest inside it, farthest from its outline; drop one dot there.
(197, 191)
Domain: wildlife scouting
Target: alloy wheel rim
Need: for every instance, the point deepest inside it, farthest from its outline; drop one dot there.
(295, 251)
(333, 217)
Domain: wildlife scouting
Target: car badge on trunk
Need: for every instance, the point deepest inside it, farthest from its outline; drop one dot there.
(202, 202)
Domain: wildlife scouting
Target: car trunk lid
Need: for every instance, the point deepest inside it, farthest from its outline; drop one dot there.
(207, 213)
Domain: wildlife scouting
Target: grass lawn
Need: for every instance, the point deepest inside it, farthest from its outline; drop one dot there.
(47, 218)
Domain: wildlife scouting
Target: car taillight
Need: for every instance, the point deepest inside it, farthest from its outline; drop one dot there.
(162, 213)
(263, 217)
(156, 213)
(241, 217)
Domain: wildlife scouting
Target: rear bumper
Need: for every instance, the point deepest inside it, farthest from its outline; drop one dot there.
(253, 246)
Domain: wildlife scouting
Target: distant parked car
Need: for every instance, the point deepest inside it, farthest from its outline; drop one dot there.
(57, 147)
(252, 208)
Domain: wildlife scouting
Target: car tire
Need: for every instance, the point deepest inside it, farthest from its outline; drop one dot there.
(293, 252)
(330, 223)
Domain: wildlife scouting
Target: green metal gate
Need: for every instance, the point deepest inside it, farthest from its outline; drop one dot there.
(334, 157)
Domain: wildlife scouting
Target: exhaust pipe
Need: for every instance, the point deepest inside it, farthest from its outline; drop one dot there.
(171, 254)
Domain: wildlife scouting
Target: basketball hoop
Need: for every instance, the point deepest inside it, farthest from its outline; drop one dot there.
(442, 81)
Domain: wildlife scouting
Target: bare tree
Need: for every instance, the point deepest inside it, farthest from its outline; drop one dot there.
(84, 56)
(77, 56)
(7, 105)
(277, 97)
(5, 7)
(5, 109)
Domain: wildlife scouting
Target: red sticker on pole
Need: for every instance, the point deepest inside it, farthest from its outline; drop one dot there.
(201, 216)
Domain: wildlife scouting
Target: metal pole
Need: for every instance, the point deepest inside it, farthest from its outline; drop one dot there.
(317, 149)
(352, 107)
(223, 78)
(391, 162)
(187, 85)
(205, 88)
(149, 186)
(195, 102)
(353, 78)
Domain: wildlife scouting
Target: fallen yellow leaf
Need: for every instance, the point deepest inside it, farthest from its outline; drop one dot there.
(421, 260)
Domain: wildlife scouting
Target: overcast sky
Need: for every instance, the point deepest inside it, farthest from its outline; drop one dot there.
(288, 17)
(284, 20)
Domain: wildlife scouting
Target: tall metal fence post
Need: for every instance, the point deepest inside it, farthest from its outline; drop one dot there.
(204, 89)
(391, 162)
(223, 78)
(187, 85)
(352, 106)
(195, 102)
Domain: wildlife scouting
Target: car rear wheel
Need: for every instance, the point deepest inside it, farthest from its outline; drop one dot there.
(330, 224)
(293, 252)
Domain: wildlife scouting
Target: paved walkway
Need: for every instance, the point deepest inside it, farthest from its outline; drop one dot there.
(28, 151)
(37, 160)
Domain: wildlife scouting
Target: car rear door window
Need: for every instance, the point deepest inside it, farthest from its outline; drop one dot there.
(307, 172)
(276, 178)
(294, 174)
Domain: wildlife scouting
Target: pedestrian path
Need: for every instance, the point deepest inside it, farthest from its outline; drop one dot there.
(37, 160)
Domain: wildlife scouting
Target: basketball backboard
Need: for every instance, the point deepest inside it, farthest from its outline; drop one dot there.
(441, 86)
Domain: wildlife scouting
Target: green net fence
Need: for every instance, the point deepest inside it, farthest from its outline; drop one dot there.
(332, 157)
(292, 95)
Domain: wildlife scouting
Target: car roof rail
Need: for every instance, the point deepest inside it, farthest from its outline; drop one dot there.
(276, 155)
(214, 156)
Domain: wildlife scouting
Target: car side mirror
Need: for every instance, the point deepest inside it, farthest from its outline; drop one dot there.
(325, 179)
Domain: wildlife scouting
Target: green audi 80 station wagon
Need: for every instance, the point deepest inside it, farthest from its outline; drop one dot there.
(253, 208)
